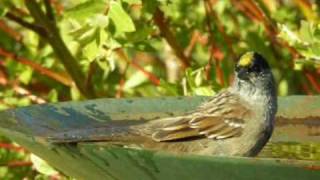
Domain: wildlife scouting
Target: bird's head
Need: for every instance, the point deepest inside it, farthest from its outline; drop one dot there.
(252, 74)
(252, 67)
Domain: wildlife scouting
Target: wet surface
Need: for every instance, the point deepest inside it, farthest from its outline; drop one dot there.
(292, 150)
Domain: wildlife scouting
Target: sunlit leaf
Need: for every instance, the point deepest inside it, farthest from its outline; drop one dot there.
(86, 9)
(26, 75)
(132, 1)
(137, 78)
(120, 18)
(42, 166)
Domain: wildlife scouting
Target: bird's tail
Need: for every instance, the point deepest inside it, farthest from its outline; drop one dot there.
(111, 131)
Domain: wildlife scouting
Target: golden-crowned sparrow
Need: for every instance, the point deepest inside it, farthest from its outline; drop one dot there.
(236, 121)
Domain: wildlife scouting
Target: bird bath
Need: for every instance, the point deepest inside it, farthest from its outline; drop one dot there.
(292, 153)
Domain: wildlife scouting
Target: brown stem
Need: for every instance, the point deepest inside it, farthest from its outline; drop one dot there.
(92, 70)
(59, 47)
(165, 31)
(49, 11)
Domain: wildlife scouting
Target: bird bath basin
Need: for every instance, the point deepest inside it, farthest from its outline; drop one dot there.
(292, 153)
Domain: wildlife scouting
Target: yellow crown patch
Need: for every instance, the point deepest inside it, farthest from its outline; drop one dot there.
(246, 59)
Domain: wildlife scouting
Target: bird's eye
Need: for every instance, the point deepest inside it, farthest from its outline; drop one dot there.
(255, 69)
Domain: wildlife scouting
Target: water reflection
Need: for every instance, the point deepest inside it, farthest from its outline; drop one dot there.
(291, 150)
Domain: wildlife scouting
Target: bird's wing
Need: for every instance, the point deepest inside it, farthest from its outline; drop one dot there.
(221, 117)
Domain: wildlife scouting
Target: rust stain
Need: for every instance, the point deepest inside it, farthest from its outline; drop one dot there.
(307, 121)
(313, 167)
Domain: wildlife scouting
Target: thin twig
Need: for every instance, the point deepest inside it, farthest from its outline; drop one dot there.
(49, 11)
(91, 71)
(26, 24)
(149, 75)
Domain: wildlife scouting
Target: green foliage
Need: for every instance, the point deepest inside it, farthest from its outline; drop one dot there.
(130, 48)
(306, 40)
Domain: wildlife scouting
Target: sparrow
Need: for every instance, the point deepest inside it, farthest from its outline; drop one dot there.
(237, 121)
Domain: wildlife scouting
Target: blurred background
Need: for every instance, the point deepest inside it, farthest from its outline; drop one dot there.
(54, 50)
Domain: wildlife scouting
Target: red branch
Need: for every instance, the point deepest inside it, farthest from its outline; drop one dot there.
(58, 6)
(19, 163)
(121, 85)
(36, 67)
(12, 147)
(16, 88)
(154, 79)
(25, 92)
(312, 81)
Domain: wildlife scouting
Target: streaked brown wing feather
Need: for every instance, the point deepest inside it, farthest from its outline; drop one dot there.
(221, 117)
(164, 135)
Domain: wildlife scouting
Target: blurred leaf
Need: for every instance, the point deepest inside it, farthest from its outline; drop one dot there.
(99, 20)
(204, 91)
(75, 94)
(26, 75)
(86, 9)
(132, 1)
(306, 32)
(53, 96)
(90, 50)
(288, 35)
(42, 166)
(150, 5)
(3, 11)
(169, 88)
(136, 79)
(190, 79)
(283, 88)
(120, 18)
